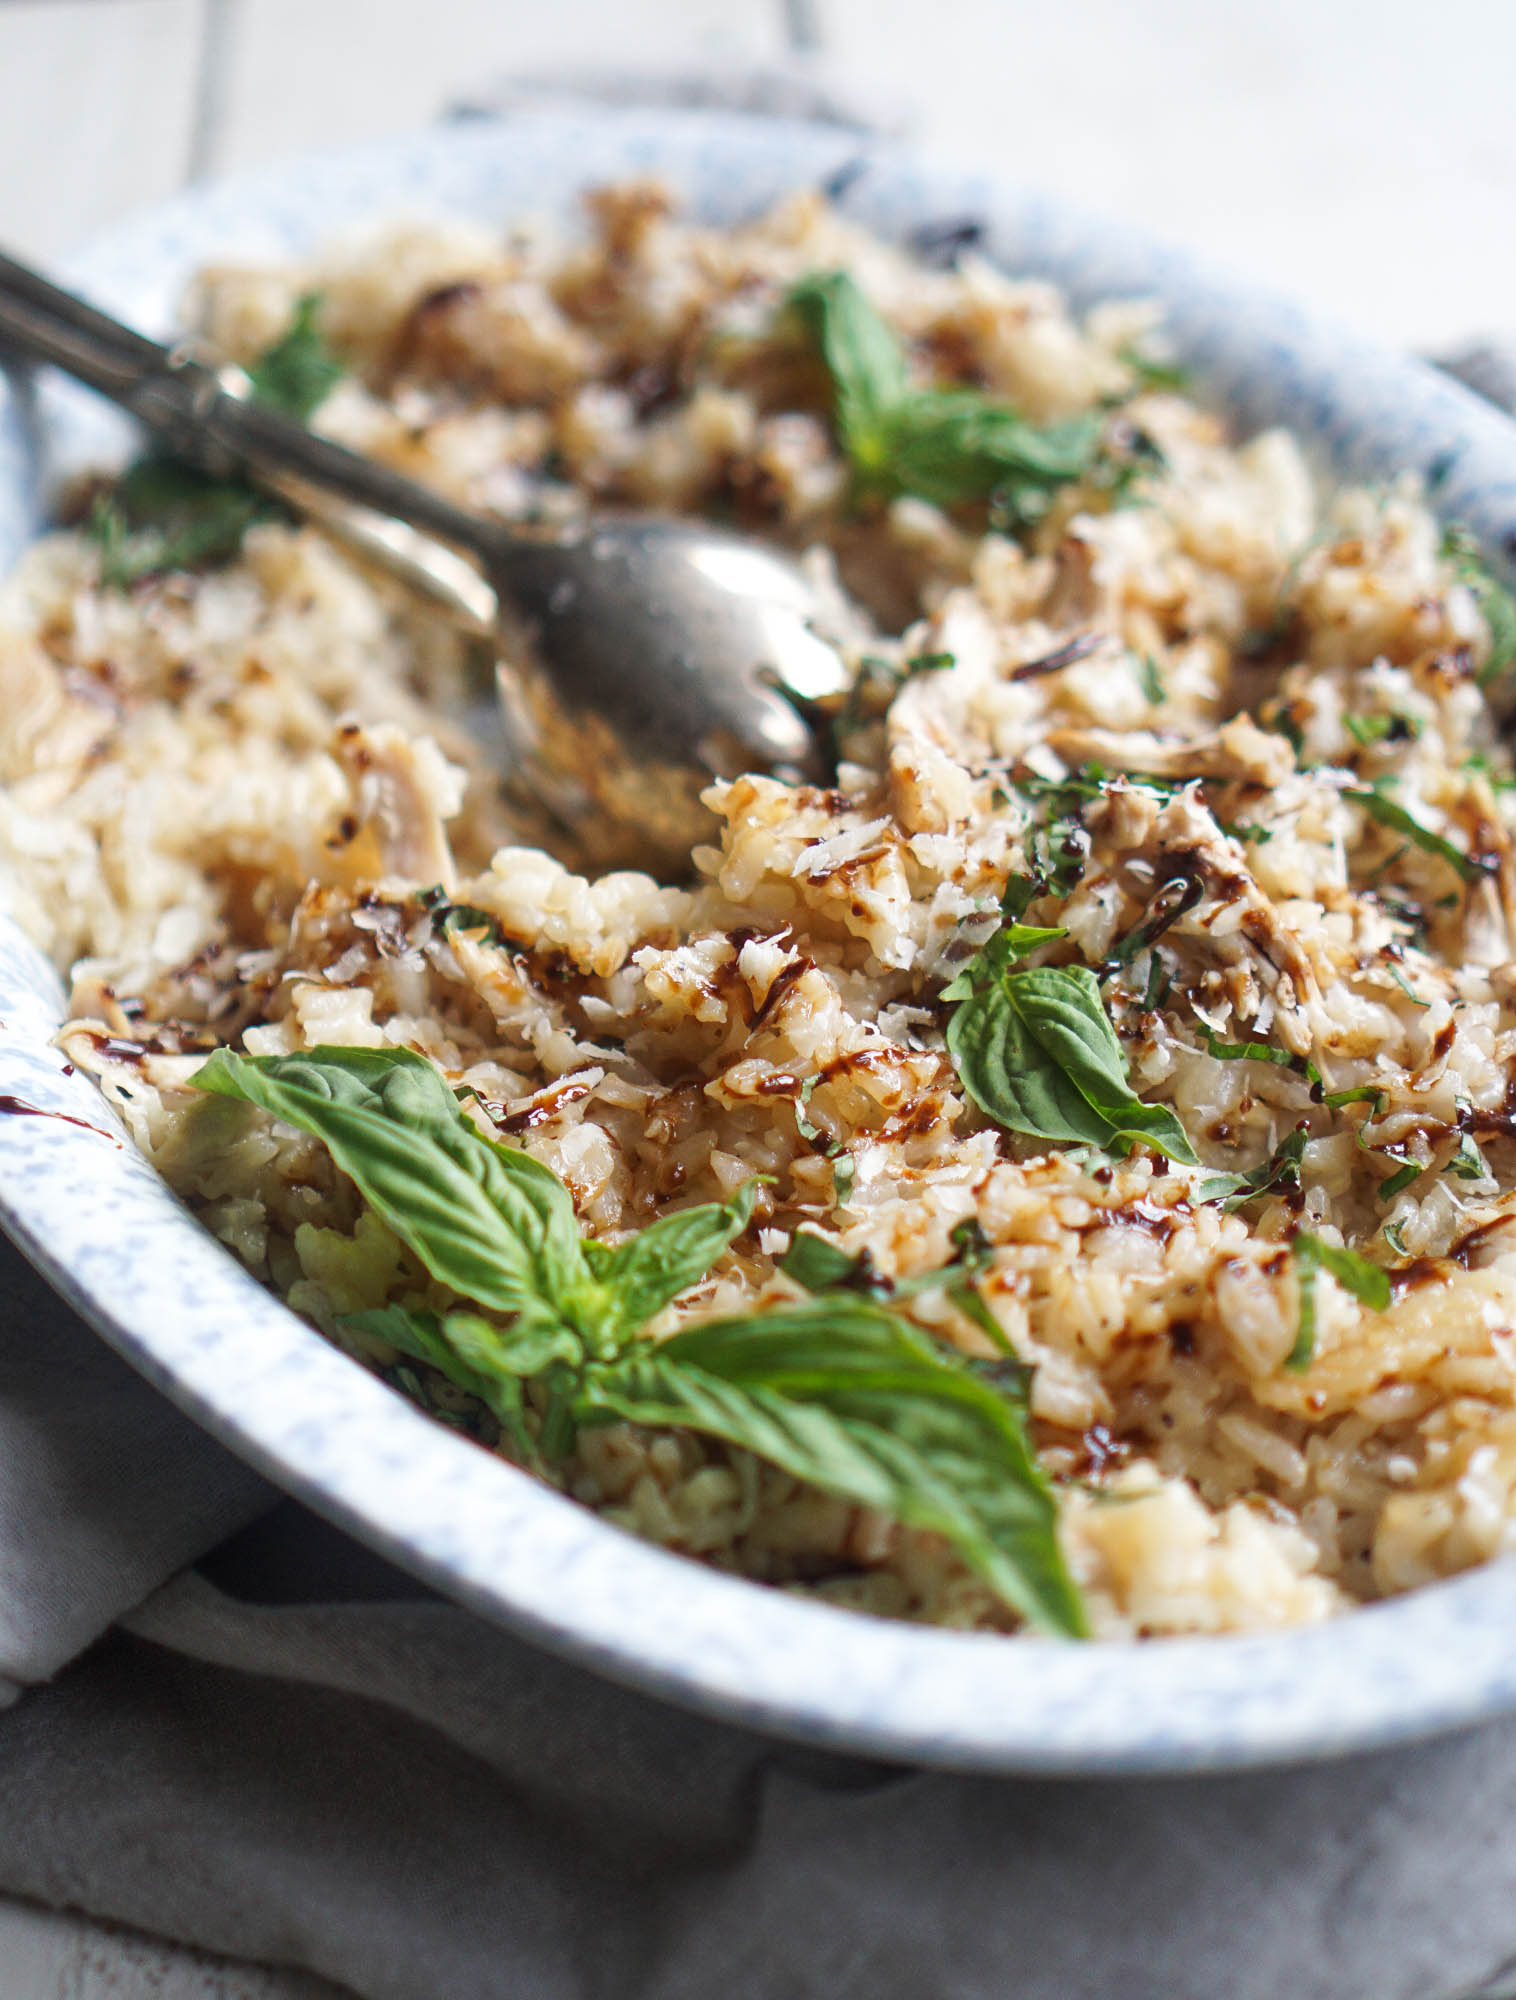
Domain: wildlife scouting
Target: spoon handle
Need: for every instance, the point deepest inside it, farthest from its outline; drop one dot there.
(209, 416)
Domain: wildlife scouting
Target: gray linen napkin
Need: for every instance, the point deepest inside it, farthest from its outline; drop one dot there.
(104, 1488)
(295, 1754)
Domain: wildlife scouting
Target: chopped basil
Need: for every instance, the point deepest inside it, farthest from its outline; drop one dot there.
(1495, 602)
(1247, 831)
(299, 371)
(1261, 1052)
(1362, 1093)
(1174, 899)
(1158, 983)
(1149, 679)
(162, 514)
(1405, 986)
(817, 1264)
(1367, 1282)
(803, 1124)
(1467, 1163)
(1394, 1235)
(1472, 867)
(466, 917)
(1399, 1180)
(842, 1393)
(1366, 730)
(1152, 373)
(1279, 1173)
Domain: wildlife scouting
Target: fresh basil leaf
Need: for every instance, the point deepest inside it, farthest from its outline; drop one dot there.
(817, 1264)
(299, 371)
(864, 358)
(1472, 867)
(485, 1219)
(1036, 1052)
(851, 1399)
(950, 446)
(485, 1360)
(944, 445)
(1011, 942)
(666, 1258)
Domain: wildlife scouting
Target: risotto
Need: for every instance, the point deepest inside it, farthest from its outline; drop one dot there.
(1122, 1043)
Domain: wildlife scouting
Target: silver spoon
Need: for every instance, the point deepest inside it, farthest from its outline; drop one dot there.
(638, 656)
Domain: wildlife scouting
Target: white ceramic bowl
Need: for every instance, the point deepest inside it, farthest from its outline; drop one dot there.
(95, 1218)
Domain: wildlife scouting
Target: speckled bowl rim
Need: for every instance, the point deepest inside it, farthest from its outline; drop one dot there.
(92, 1215)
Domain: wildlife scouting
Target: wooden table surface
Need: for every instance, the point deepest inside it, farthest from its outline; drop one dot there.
(1364, 158)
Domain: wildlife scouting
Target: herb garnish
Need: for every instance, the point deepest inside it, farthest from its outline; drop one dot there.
(1400, 1179)
(948, 446)
(1279, 1174)
(820, 1265)
(163, 514)
(1036, 1052)
(1152, 373)
(1495, 602)
(1367, 730)
(1263, 1052)
(1149, 679)
(840, 1393)
(1472, 867)
(299, 371)
(1361, 1093)
(1366, 1281)
(1467, 1163)
(1405, 985)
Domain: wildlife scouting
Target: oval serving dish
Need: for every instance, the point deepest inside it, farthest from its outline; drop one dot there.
(91, 1213)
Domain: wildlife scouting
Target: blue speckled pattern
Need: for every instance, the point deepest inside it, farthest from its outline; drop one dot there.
(91, 1213)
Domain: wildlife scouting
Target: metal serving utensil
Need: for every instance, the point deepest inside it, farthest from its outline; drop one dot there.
(638, 656)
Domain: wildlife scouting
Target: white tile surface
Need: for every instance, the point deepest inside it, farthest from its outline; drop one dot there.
(1361, 156)
(96, 109)
(310, 73)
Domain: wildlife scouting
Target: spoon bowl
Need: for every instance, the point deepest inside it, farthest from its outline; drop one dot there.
(643, 657)
(639, 657)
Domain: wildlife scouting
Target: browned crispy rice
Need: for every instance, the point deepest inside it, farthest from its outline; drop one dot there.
(240, 805)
